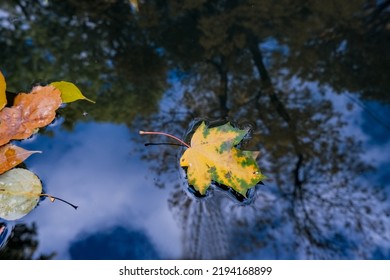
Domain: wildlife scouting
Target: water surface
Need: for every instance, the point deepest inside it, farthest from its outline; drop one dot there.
(310, 80)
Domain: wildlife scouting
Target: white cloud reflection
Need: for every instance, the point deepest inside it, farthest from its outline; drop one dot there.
(93, 167)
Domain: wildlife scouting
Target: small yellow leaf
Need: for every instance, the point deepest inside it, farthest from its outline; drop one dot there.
(69, 92)
(3, 97)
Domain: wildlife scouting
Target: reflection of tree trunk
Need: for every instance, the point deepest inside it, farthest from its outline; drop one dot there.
(298, 201)
(265, 79)
(269, 89)
(223, 87)
(205, 234)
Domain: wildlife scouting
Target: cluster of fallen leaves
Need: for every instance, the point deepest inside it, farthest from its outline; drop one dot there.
(213, 156)
(20, 189)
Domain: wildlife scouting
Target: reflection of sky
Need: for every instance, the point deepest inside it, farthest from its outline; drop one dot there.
(95, 168)
(367, 122)
(377, 144)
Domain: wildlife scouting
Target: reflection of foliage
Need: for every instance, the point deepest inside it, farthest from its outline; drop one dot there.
(22, 244)
(119, 69)
(242, 60)
(320, 202)
(355, 44)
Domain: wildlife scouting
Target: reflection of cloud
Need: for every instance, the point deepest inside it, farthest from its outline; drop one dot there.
(94, 168)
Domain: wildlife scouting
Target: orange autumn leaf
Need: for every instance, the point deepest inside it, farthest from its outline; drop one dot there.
(29, 112)
(11, 156)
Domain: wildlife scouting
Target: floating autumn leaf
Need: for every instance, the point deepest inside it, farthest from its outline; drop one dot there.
(212, 156)
(69, 92)
(29, 112)
(3, 97)
(11, 155)
(20, 191)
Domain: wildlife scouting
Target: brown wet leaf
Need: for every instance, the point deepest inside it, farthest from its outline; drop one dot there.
(29, 112)
(11, 156)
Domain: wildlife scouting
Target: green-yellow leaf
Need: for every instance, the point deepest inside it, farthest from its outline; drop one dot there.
(20, 190)
(3, 97)
(212, 156)
(69, 92)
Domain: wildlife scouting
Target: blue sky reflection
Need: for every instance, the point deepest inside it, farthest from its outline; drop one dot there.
(94, 167)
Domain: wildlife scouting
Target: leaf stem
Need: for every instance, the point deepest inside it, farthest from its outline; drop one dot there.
(52, 198)
(165, 134)
(172, 144)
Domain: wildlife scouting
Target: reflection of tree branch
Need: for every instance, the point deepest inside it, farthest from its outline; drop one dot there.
(377, 11)
(271, 92)
(309, 226)
(297, 180)
(223, 90)
(24, 9)
(369, 112)
(265, 78)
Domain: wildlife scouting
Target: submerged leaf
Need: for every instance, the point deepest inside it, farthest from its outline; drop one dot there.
(214, 157)
(69, 92)
(11, 155)
(29, 112)
(20, 192)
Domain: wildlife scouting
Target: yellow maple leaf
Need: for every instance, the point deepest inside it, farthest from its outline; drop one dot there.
(213, 156)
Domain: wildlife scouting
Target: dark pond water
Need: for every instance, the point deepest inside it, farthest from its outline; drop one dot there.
(309, 78)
